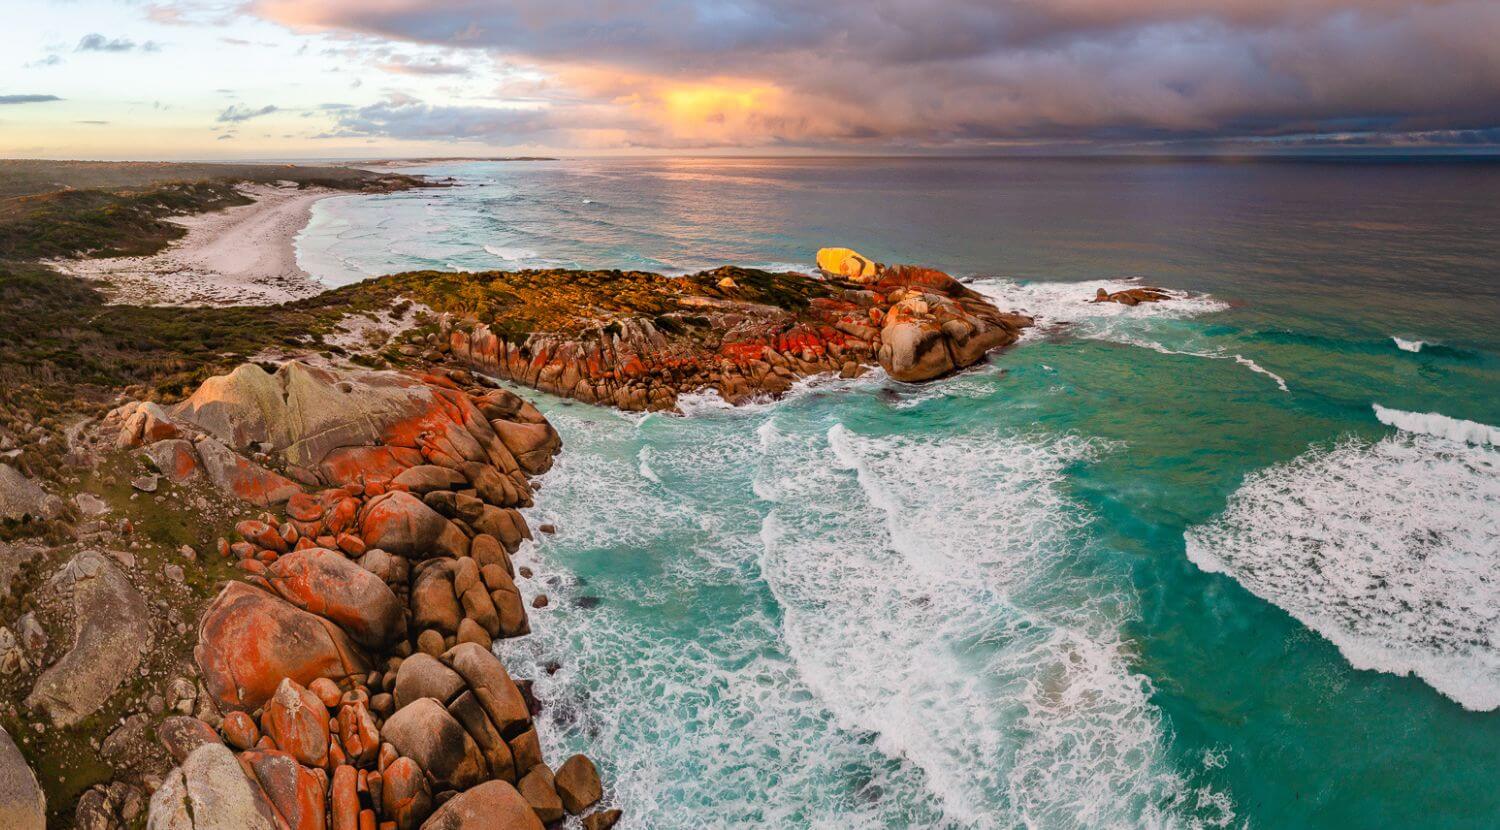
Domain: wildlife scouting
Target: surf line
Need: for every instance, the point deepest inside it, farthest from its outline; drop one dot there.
(1237, 358)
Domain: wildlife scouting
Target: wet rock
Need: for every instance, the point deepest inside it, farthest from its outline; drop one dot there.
(1131, 296)
(23, 806)
(577, 783)
(602, 820)
(111, 633)
(538, 790)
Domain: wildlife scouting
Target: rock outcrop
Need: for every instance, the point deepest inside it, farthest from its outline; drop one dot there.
(22, 803)
(739, 332)
(1131, 296)
(352, 662)
(110, 635)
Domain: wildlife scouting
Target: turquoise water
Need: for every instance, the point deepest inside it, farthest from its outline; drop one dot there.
(1230, 561)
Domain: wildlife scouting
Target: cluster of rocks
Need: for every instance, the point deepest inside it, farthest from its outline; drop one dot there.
(1131, 296)
(916, 323)
(348, 679)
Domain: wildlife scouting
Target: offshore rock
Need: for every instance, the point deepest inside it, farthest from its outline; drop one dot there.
(1131, 296)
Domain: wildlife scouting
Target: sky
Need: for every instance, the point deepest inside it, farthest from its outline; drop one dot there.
(306, 79)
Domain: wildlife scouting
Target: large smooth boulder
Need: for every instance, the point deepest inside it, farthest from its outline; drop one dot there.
(111, 633)
(424, 732)
(210, 791)
(493, 805)
(250, 639)
(422, 676)
(328, 584)
(402, 524)
(21, 497)
(23, 805)
(174, 458)
(491, 685)
(846, 263)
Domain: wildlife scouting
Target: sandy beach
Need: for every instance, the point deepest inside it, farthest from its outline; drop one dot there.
(238, 256)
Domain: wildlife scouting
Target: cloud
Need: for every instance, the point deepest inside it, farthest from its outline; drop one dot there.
(235, 113)
(402, 117)
(27, 99)
(960, 73)
(96, 42)
(403, 65)
(50, 60)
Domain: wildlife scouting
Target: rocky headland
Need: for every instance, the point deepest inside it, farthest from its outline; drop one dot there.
(256, 562)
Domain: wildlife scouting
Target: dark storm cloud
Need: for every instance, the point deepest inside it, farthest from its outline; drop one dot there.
(27, 99)
(959, 72)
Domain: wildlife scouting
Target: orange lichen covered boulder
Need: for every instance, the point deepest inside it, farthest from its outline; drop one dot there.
(405, 796)
(328, 584)
(298, 722)
(250, 639)
(295, 792)
(402, 524)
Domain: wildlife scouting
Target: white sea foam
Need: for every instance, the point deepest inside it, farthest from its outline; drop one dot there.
(510, 252)
(1071, 302)
(878, 637)
(1409, 345)
(944, 628)
(1439, 426)
(1388, 550)
(645, 465)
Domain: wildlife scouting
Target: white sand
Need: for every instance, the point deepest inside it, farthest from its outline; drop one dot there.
(238, 256)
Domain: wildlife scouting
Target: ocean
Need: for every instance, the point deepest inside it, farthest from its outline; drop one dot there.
(1228, 561)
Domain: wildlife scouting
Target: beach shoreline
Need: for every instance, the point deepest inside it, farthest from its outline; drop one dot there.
(244, 255)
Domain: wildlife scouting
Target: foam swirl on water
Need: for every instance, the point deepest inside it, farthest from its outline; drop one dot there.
(1388, 550)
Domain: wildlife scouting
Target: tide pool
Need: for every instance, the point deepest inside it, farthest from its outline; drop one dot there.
(1225, 561)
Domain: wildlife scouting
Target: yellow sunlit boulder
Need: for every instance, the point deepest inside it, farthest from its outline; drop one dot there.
(847, 263)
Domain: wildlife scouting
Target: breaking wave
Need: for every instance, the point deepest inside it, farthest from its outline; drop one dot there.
(1387, 549)
(1439, 426)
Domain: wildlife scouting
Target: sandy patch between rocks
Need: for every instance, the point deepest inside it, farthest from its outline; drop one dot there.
(238, 256)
